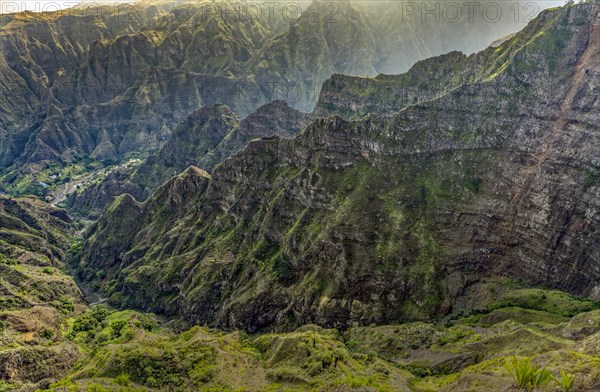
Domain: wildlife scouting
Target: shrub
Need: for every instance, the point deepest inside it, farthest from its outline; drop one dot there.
(47, 333)
(7, 260)
(566, 381)
(96, 388)
(122, 379)
(66, 305)
(526, 375)
(117, 327)
(352, 344)
(286, 374)
(103, 337)
(100, 312)
(284, 271)
(442, 340)
(85, 322)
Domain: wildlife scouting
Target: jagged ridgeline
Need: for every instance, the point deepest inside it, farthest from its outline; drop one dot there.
(97, 84)
(491, 171)
(205, 138)
(434, 230)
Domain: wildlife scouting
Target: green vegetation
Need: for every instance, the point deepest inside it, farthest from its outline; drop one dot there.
(129, 350)
(566, 381)
(552, 301)
(104, 349)
(526, 375)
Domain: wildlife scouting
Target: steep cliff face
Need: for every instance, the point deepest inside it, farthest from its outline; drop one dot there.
(387, 218)
(99, 83)
(206, 138)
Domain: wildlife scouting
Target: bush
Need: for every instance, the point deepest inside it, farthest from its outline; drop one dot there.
(103, 337)
(66, 305)
(7, 260)
(352, 344)
(122, 379)
(47, 333)
(566, 381)
(526, 375)
(100, 312)
(283, 271)
(85, 322)
(286, 374)
(117, 327)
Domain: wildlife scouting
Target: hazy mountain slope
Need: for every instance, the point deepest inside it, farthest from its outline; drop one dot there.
(385, 219)
(39, 54)
(206, 138)
(103, 83)
(403, 30)
(386, 95)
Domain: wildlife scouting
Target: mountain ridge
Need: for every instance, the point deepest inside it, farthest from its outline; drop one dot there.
(442, 187)
(146, 68)
(207, 137)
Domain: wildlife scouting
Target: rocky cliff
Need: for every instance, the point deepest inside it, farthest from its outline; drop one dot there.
(96, 84)
(386, 218)
(207, 137)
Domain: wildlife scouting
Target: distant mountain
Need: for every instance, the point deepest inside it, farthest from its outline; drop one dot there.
(206, 138)
(491, 172)
(92, 85)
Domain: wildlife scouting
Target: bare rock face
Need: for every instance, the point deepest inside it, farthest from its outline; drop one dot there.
(388, 218)
(207, 137)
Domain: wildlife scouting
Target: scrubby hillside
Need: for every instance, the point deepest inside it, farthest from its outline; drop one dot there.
(36, 294)
(130, 351)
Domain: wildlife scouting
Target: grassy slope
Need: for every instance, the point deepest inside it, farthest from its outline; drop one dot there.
(131, 351)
